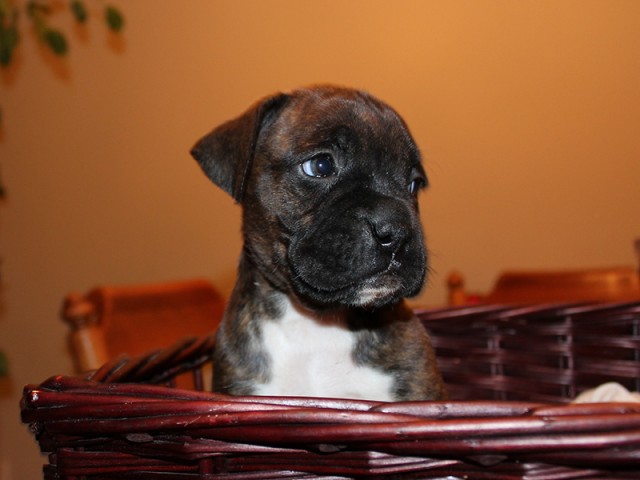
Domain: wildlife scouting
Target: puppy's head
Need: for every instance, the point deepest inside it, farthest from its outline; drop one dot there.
(328, 179)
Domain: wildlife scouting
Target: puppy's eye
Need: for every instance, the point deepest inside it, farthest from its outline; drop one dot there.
(416, 185)
(320, 165)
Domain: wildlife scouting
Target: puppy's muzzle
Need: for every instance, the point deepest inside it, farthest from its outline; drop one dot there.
(371, 243)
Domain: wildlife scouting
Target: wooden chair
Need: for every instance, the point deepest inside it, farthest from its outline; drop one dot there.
(602, 284)
(111, 320)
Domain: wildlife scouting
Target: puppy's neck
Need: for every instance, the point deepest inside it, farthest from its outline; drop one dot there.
(328, 317)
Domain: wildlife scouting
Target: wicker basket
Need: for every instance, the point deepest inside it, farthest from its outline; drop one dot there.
(510, 373)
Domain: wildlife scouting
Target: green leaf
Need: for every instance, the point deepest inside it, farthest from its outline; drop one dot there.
(114, 19)
(12, 37)
(5, 56)
(79, 11)
(4, 365)
(35, 8)
(55, 41)
(8, 42)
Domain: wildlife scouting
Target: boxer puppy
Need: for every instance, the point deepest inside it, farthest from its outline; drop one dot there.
(328, 180)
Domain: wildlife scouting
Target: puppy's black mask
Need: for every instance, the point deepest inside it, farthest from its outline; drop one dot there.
(328, 179)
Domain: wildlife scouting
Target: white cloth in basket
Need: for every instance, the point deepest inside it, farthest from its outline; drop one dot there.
(607, 392)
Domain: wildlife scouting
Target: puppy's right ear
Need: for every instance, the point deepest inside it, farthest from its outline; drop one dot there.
(226, 154)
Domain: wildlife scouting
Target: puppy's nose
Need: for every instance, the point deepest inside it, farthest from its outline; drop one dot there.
(388, 233)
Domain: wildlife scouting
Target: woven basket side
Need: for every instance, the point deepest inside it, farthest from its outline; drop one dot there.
(543, 353)
(125, 421)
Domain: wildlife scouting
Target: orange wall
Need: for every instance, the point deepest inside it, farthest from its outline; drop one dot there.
(527, 114)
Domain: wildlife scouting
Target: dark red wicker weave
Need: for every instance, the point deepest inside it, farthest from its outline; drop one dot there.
(510, 372)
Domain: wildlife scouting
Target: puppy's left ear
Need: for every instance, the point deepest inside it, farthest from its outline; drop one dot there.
(226, 154)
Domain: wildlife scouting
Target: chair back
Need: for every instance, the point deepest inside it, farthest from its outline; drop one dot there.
(112, 320)
(541, 286)
(600, 285)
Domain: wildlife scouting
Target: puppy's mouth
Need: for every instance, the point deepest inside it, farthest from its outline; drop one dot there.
(371, 290)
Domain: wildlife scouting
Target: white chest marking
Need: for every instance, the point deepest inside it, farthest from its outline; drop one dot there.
(312, 358)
